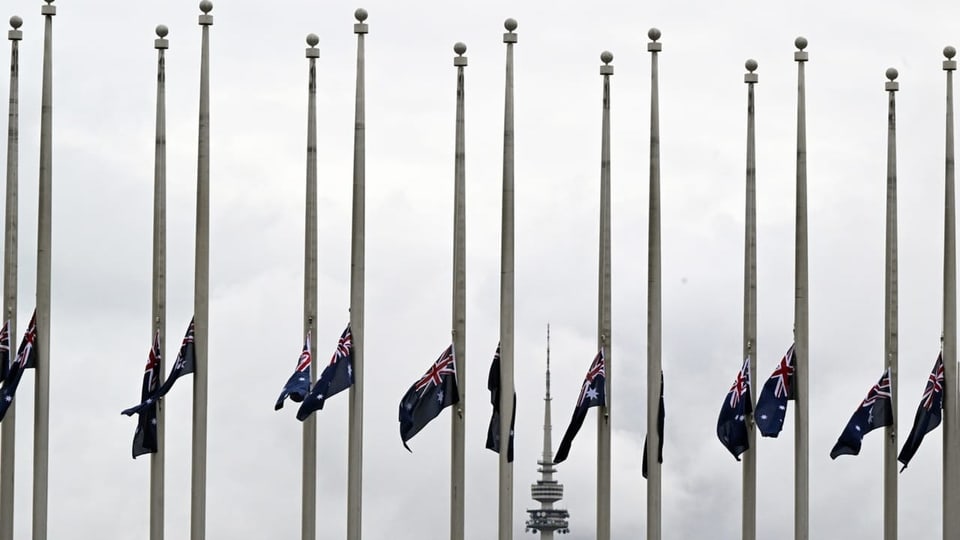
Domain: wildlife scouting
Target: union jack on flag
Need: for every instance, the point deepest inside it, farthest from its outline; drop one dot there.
(732, 421)
(783, 375)
(874, 412)
(151, 376)
(589, 391)
(25, 359)
(771, 409)
(741, 385)
(304, 363)
(344, 347)
(881, 390)
(934, 384)
(434, 376)
(298, 385)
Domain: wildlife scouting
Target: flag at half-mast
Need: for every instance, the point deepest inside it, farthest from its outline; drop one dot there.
(432, 393)
(661, 416)
(732, 422)
(876, 410)
(493, 430)
(145, 436)
(26, 358)
(772, 403)
(336, 377)
(929, 413)
(184, 365)
(298, 385)
(593, 393)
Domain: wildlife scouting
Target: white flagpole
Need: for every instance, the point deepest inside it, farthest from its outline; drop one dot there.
(41, 411)
(654, 326)
(159, 309)
(458, 427)
(507, 295)
(750, 309)
(7, 449)
(951, 412)
(604, 311)
(355, 443)
(308, 525)
(890, 315)
(801, 500)
(198, 495)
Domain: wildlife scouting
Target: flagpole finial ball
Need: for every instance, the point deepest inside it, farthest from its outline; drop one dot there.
(751, 65)
(800, 42)
(206, 6)
(948, 51)
(510, 25)
(606, 57)
(16, 22)
(48, 1)
(459, 48)
(892, 74)
(312, 40)
(361, 14)
(653, 34)
(162, 31)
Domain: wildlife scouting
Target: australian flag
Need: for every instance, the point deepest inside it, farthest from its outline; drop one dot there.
(593, 393)
(929, 413)
(298, 385)
(732, 423)
(875, 411)
(336, 377)
(772, 403)
(493, 431)
(26, 358)
(660, 419)
(4, 350)
(184, 365)
(436, 390)
(145, 437)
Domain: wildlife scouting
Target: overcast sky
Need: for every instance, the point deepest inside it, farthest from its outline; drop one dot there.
(104, 95)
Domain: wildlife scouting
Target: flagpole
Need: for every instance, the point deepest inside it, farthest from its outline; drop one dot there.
(458, 431)
(654, 326)
(801, 310)
(355, 444)
(198, 499)
(41, 410)
(750, 309)
(8, 445)
(507, 295)
(308, 525)
(159, 310)
(951, 411)
(603, 322)
(890, 315)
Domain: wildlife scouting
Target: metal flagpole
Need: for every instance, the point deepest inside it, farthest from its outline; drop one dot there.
(41, 410)
(159, 309)
(801, 309)
(198, 494)
(355, 444)
(951, 412)
(10, 274)
(654, 326)
(308, 525)
(750, 309)
(457, 430)
(507, 296)
(603, 315)
(890, 315)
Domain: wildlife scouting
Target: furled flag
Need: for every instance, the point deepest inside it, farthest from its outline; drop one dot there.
(145, 437)
(593, 393)
(772, 403)
(298, 385)
(436, 390)
(493, 431)
(875, 411)
(26, 358)
(929, 413)
(184, 365)
(4, 350)
(732, 423)
(660, 419)
(336, 377)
